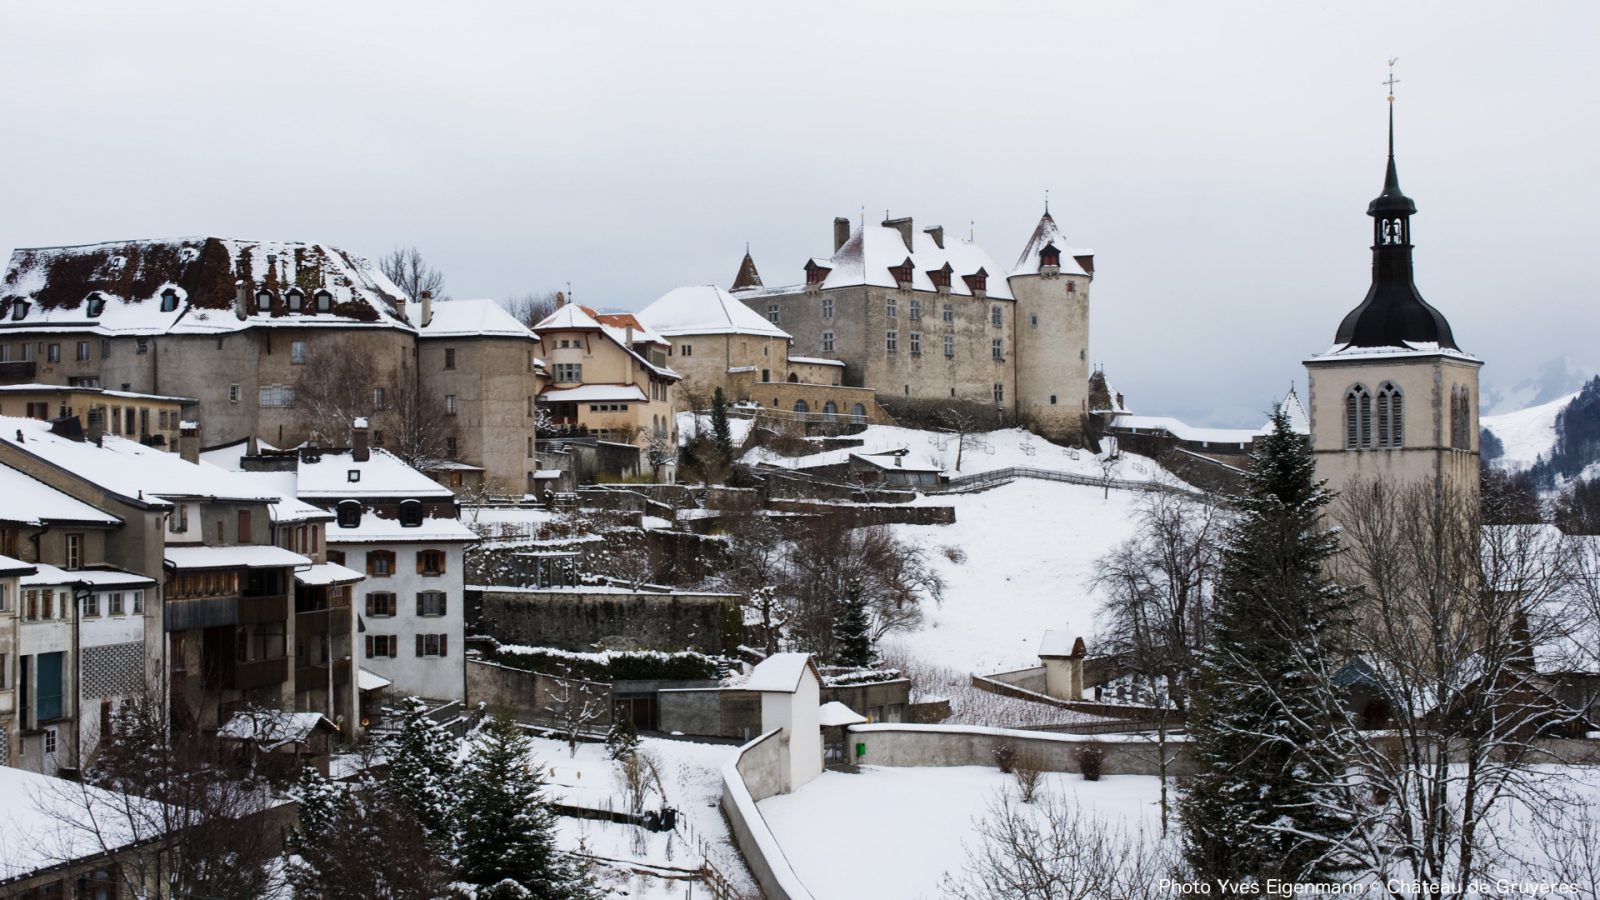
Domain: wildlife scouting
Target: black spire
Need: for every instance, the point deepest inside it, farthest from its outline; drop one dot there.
(1393, 313)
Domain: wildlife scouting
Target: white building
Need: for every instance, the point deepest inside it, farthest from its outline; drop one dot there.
(791, 697)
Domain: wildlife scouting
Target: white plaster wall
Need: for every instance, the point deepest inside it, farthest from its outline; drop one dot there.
(441, 678)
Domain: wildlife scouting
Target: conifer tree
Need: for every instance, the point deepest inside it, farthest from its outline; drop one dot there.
(623, 738)
(507, 830)
(1267, 739)
(721, 433)
(423, 770)
(852, 629)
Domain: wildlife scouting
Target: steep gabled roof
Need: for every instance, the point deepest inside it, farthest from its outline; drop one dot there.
(573, 317)
(205, 274)
(467, 318)
(747, 277)
(705, 309)
(870, 253)
(1047, 234)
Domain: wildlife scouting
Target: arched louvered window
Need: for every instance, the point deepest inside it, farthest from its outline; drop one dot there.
(1391, 417)
(1460, 418)
(1357, 418)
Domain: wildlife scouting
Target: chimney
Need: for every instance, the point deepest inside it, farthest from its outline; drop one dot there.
(628, 332)
(902, 225)
(189, 440)
(97, 425)
(241, 299)
(841, 232)
(427, 309)
(937, 233)
(358, 439)
(561, 299)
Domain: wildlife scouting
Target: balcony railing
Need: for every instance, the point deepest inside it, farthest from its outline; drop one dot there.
(18, 371)
(258, 673)
(256, 610)
(201, 612)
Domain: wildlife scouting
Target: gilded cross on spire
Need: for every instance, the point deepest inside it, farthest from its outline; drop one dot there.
(1392, 81)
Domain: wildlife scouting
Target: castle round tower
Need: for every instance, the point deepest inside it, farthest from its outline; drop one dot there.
(1050, 358)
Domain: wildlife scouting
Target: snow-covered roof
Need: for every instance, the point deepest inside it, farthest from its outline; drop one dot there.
(378, 530)
(705, 309)
(12, 566)
(895, 461)
(592, 393)
(128, 468)
(873, 250)
(573, 317)
(244, 556)
(287, 508)
(367, 680)
(1183, 431)
(326, 476)
(323, 574)
(273, 728)
(29, 501)
(1058, 642)
(618, 323)
(47, 821)
(781, 673)
(96, 578)
(1046, 234)
(814, 361)
(834, 714)
(1407, 351)
(467, 318)
(99, 392)
(204, 274)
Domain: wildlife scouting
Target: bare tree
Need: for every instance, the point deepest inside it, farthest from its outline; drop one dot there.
(342, 382)
(532, 308)
(1054, 850)
(1454, 619)
(756, 553)
(422, 427)
(175, 816)
(1110, 460)
(826, 562)
(969, 427)
(576, 706)
(406, 267)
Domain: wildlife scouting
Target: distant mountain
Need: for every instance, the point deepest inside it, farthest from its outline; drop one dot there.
(1556, 378)
(1554, 441)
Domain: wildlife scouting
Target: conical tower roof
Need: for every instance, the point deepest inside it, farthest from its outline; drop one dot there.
(748, 277)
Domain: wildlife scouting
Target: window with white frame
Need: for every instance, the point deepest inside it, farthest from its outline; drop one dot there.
(138, 602)
(433, 645)
(891, 341)
(997, 316)
(233, 393)
(381, 646)
(827, 307)
(916, 343)
(773, 313)
(916, 308)
(380, 604)
(277, 395)
(116, 603)
(827, 342)
(997, 349)
(297, 352)
(431, 603)
(449, 404)
(569, 373)
(999, 394)
(949, 313)
(891, 306)
(950, 345)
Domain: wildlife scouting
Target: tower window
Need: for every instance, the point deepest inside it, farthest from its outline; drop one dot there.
(296, 299)
(324, 300)
(997, 316)
(1391, 416)
(773, 313)
(1357, 418)
(169, 300)
(827, 307)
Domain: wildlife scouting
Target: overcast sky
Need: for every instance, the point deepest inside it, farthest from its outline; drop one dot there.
(1217, 157)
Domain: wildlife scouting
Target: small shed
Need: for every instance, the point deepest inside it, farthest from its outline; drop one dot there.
(278, 742)
(1062, 654)
(891, 468)
(791, 699)
(835, 719)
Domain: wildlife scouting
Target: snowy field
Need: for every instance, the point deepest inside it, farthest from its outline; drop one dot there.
(1526, 433)
(897, 831)
(1030, 549)
(893, 833)
(690, 775)
(1010, 448)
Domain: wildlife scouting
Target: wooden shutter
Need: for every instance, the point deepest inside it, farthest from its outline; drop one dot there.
(443, 648)
(421, 565)
(369, 612)
(369, 563)
(442, 603)
(420, 607)
(369, 637)
(419, 645)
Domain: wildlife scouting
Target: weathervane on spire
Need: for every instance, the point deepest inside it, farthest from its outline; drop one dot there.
(1392, 81)
(1047, 201)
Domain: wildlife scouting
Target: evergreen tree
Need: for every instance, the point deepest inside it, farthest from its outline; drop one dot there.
(721, 434)
(357, 843)
(423, 770)
(852, 629)
(507, 830)
(623, 738)
(1267, 738)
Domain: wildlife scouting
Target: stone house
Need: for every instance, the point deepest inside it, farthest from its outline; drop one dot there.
(927, 317)
(245, 327)
(609, 378)
(149, 418)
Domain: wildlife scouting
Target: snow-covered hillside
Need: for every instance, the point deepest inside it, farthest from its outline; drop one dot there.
(1008, 448)
(1528, 433)
(1029, 551)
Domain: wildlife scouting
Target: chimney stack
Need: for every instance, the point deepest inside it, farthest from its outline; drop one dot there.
(628, 331)
(841, 232)
(241, 299)
(937, 233)
(902, 225)
(359, 450)
(427, 309)
(189, 440)
(561, 299)
(97, 425)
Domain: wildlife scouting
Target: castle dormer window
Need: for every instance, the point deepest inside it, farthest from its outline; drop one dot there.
(411, 514)
(264, 300)
(96, 305)
(19, 310)
(1050, 257)
(296, 299)
(902, 273)
(979, 281)
(324, 300)
(349, 513)
(169, 300)
(941, 277)
(815, 274)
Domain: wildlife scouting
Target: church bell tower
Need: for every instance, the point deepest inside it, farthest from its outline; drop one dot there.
(1394, 398)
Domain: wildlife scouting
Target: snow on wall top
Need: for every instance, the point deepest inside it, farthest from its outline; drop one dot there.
(128, 468)
(467, 318)
(203, 274)
(705, 309)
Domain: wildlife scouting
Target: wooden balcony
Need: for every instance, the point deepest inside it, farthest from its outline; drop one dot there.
(19, 372)
(267, 608)
(258, 673)
(200, 612)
